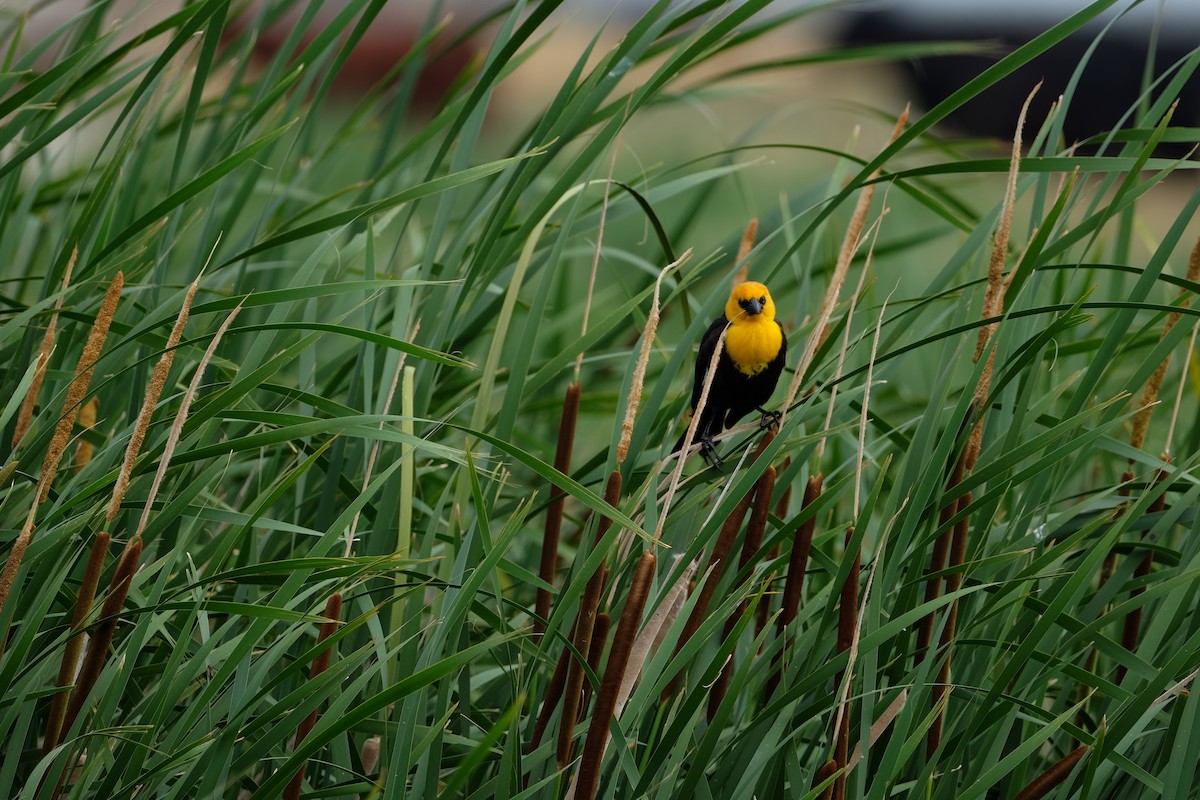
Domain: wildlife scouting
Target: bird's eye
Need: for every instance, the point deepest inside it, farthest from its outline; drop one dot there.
(763, 300)
(743, 303)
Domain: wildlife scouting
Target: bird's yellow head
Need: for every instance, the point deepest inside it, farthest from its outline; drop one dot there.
(750, 302)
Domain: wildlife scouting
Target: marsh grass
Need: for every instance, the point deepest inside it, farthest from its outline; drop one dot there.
(335, 371)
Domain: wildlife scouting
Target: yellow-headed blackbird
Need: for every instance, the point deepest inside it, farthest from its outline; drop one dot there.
(748, 369)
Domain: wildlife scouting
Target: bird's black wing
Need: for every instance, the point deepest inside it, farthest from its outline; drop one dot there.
(708, 346)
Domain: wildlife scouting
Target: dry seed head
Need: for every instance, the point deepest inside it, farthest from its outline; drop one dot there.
(639, 371)
(845, 255)
(79, 385)
(747, 244)
(43, 358)
(1141, 420)
(181, 417)
(158, 379)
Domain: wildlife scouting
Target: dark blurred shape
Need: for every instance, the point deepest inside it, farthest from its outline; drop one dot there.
(1109, 85)
(391, 35)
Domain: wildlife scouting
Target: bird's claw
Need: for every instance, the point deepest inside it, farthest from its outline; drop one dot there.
(708, 451)
(770, 419)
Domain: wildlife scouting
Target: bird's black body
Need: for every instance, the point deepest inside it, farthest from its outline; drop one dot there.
(733, 393)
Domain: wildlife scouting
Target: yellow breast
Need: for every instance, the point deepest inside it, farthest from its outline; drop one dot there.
(753, 344)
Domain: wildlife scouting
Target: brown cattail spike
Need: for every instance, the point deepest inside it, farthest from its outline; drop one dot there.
(97, 651)
(1043, 784)
(595, 654)
(554, 513)
(70, 659)
(588, 776)
(847, 625)
(320, 663)
(589, 603)
(823, 774)
(958, 554)
(793, 587)
(763, 489)
(715, 569)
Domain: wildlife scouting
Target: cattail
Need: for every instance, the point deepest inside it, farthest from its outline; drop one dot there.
(320, 663)
(744, 248)
(1130, 631)
(554, 690)
(25, 415)
(781, 511)
(845, 255)
(958, 556)
(588, 776)
(793, 587)
(70, 658)
(158, 380)
(826, 772)
(763, 489)
(937, 561)
(1045, 783)
(8, 576)
(97, 651)
(639, 370)
(595, 653)
(79, 385)
(847, 626)
(554, 513)
(933, 584)
(369, 755)
(87, 421)
(715, 569)
(589, 603)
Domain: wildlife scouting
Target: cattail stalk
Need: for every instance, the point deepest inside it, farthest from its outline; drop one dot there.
(993, 307)
(826, 772)
(97, 652)
(847, 631)
(79, 385)
(1130, 630)
(585, 622)
(957, 557)
(596, 653)
(554, 691)
(849, 246)
(158, 380)
(937, 561)
(639, 370)
(763, 489)
(70, 658)
(62, 433)
(1043, 784)
(793, 587)
(781, 511)
(320, 663)
(588, 777)
(554, 513)
(744, 248)
(715, 568)
(25, 415)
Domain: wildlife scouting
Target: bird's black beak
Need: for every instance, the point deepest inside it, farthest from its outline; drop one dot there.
(753, 306)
